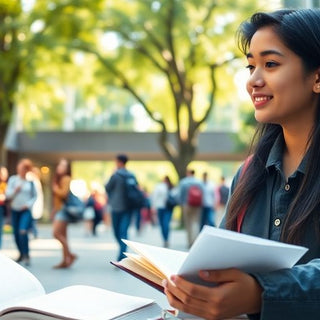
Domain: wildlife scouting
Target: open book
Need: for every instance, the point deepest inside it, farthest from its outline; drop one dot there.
(23, 297)
(213, 249)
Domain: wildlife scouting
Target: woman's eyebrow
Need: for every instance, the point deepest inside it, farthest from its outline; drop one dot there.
(266, 53)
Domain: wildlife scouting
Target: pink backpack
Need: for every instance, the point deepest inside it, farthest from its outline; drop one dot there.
(194, 197)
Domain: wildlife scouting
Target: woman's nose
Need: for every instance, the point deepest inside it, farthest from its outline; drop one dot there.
(256, 79)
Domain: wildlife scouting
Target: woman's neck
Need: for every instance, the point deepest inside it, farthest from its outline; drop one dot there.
(296, 145)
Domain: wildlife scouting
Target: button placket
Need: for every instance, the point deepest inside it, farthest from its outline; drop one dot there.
(277, 222)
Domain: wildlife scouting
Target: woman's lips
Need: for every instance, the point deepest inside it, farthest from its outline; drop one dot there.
(260, 100)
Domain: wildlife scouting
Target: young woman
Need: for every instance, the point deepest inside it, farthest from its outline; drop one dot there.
(280, 188)
(21, 194)
(60, 189)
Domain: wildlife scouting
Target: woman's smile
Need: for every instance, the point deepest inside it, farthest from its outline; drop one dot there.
(260, 100)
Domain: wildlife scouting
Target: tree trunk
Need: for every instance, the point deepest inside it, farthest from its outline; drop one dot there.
(3, 131)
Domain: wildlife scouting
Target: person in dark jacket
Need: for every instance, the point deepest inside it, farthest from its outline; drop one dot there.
(120, 213)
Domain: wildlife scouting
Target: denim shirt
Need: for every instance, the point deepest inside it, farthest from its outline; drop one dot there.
(290, 293)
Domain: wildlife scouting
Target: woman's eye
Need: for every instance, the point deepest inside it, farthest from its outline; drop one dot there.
(250, 67)
(271, 64)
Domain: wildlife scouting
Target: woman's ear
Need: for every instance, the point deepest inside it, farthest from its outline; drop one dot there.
(316, 85)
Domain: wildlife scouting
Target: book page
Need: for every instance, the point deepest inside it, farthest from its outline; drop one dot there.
(168, 261)
(219, 249)
(145, 264)
(141, 270)
(84, 303)
(17, 283)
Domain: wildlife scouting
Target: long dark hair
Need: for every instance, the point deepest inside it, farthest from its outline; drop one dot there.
(57, 176)
(300, 32)
(167, 180)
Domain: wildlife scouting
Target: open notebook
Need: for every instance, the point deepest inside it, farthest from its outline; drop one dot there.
(23, 297)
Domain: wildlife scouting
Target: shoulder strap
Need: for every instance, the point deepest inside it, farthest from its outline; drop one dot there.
(243, 210)
(32, 188)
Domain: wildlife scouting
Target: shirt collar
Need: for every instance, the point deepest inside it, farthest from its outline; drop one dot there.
(276, 152)
(275, 155)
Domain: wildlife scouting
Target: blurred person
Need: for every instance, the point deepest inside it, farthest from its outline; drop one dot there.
(37, 208)
(209, 202)
(3, 204)
(60, 190)
(191, 203)
(159, 201)
(121, 214)
(21, 194)
(143, 215)
(146, 210)
(222, 193)
(96, 201)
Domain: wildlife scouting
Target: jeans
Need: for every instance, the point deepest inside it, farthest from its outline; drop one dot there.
(164, 218)
(137, 214)
(21, 223)
(120, 224)
(207, 217)
(2, 217)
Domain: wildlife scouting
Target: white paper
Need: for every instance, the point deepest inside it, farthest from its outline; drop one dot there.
(21, 290)
(16, 283)
(217, 248)
(86, 303)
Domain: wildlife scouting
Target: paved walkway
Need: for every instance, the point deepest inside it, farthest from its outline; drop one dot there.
(92, 267)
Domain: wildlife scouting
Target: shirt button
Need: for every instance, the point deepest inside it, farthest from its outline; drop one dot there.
(287, 187)
(277, 222)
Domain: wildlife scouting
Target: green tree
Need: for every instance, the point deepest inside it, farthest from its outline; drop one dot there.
(176, 58)
(31, 62)
(11, 61)
(172, 56)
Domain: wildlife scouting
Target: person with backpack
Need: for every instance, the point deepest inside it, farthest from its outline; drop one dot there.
(190, 195)
(61, 220)
(125, 198)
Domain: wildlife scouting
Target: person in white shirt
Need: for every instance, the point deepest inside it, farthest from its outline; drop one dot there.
(21, 194)
(159, 201)
(37, 208)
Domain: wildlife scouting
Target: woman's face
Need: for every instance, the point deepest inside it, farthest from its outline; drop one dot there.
(22, 169)
(4, 174)
(62, 167)
(281, 91)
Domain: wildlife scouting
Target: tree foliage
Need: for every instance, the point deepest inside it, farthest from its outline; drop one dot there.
(174, 57)
(169, 55)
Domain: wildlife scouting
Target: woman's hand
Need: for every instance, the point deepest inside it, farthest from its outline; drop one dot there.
(236, 293)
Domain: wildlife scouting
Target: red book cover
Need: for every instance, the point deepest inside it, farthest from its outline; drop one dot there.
(138, 276)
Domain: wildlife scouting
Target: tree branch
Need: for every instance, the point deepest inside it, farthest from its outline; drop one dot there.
(122, 78)
(212, 67)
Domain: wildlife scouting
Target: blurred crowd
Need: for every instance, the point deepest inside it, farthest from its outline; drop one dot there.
(120, 203)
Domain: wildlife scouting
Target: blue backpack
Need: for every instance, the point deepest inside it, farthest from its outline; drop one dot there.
(74, 207)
